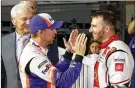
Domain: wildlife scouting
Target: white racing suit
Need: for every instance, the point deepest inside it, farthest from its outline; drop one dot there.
(116, 56)
(36, 71)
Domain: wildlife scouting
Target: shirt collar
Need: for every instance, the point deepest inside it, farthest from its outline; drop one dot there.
(113, 38)
(39, 47)
(18, 36)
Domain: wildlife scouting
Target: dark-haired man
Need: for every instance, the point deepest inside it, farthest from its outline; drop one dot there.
(114, 66)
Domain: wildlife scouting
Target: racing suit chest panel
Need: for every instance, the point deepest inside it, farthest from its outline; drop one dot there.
(102, 70)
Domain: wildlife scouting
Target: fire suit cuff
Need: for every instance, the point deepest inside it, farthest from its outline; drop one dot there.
(68, 55)
(78, 58)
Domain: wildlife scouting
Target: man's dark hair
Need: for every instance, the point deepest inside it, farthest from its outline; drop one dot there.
(108, 17)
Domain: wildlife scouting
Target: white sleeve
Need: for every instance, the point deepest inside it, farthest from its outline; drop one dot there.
(90, 60)
(120, 67)
(42, 67)
(61, 52)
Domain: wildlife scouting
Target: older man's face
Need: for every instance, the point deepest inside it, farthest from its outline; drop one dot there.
(21, 21)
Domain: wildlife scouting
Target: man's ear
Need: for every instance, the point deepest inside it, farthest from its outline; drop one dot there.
(40, 32)
(107, 28)
(13, 21)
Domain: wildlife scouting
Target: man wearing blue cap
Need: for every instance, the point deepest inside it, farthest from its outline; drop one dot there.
(36, 71)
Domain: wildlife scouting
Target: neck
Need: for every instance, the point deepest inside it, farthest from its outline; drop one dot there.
(40, 42)
(108, 36)
(22, 33)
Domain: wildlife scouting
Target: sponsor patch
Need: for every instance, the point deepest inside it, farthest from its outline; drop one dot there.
(42, 63)
(123, 60)
(119, 67)
(46, 69)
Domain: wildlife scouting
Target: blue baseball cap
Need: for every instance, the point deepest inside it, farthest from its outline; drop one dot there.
(43, 21)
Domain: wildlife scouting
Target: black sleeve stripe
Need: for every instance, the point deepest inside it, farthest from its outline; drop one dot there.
(27, 69)
(78, 58)
(114, 52)
(126, 85)
(68, 55)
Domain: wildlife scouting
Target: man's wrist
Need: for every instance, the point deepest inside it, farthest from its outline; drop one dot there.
(78, 58)
(68, 55)
(69, 50)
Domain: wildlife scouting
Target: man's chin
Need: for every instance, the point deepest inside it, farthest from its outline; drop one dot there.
(27, 31)
(96, 39)
(50, 43)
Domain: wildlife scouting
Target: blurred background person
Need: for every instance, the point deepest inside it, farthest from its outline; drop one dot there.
(31, 4)
(131, 30)
(131, 27)
(94, 48)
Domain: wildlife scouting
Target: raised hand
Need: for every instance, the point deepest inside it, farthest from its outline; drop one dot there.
(80, 44)
(71, 42)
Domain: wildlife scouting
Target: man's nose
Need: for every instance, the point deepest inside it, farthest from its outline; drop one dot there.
(91, 30)
(95, 48)
(27, 22)
(55, 31)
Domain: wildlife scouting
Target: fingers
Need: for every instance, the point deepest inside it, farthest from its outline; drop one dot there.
(82, 38)
(85, 41)
(78, 39)
(74, 34)
(65, 42)
(68, 46)
(80, 45)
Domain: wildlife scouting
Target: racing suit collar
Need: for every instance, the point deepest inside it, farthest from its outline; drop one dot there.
(113, 38)
(40, 48)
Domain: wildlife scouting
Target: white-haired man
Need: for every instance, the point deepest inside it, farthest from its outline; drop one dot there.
(12, 45)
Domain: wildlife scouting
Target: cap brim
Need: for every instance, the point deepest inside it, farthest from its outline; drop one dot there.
(57, 24)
